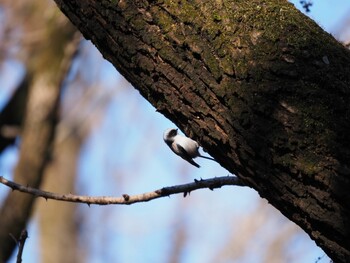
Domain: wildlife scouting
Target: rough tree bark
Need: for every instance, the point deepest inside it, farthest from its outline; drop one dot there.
(259, 85)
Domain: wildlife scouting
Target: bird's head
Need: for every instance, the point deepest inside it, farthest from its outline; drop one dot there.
(169, 135)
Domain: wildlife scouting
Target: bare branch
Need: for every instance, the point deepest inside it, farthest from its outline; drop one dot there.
(126, 199)
(21, 241)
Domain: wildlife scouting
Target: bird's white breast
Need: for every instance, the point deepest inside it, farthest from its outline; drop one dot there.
(190, 146)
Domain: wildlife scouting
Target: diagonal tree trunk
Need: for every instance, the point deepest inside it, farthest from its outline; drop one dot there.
(259, 85)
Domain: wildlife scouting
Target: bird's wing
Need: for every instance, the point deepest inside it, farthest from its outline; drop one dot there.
(185, 155)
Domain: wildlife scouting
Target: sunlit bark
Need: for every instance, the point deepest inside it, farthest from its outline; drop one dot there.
(260, 86)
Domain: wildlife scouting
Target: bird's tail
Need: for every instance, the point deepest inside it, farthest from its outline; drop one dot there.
(205, 157)
(193, 163)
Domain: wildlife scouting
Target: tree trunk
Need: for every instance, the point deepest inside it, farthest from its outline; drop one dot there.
(262, 88)
(46, 70)
(58, 224)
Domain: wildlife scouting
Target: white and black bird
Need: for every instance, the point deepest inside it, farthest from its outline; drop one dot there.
(183, 146)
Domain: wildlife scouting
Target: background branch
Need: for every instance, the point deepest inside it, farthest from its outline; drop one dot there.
(126, 199)
(21, 242)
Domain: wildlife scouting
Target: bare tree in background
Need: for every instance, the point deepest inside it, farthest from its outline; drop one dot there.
(48, 43)
(47, 53)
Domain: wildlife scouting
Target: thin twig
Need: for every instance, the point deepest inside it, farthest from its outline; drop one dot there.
(126, 199)
(21, 241)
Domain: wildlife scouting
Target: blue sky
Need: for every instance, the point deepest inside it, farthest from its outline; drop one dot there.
(126, 154)
(328, 14)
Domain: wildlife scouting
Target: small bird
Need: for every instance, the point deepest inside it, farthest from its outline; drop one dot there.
(183, 146)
